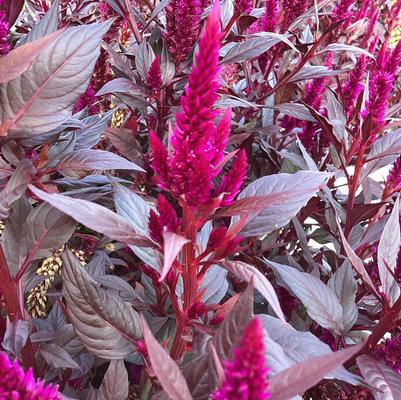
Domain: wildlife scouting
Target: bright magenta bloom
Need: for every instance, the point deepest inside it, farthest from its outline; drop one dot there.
(242, 6)
(4, 28)
(16, 384)
(154, 78)
(197, 143)
(166, 220)
(268, 22)
(246, 374)
(182, 28)
(343, 9)
(88, 99)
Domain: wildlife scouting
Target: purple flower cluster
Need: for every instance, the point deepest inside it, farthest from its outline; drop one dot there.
(182, 28)
(16, 384)
(154, 77)
(242, 6)
(88, 99)
(343, 10)
(391, 352)
(269, 20)
(197, 143)
(4, 28)
(166, 219)
(292, 9)
(246, 375)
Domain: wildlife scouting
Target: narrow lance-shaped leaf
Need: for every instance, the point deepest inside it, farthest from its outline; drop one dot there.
(173, 244)
(16, 336)
(319, 300)
(165, 368)
(94, 217)
(106, 325)
(387, 253)
(302, 376)
(246, 272)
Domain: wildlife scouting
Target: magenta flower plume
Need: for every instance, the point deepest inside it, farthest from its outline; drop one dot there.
(292, 9)
(246, 375)
(242, 6)
(166, 220)
(16, 384)
(353, 86)
(182, 28)
(393, 181)
(268, 22)
(231, 183)
(154, 77)
(4, 28)
(343, 9)
(197, 144)
(391, 353)
(88, 99)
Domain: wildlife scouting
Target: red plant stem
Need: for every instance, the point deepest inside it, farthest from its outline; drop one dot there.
(133, 23)
(230, 24)
(9, 288)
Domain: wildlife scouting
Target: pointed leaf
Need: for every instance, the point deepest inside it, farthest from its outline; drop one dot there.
(165, 368)
(105, 324)
(16, 336)
(115, 383)
(295, 191)
(173, 244)
(50, 96)
(16, 186)
(246, 272)
(319, 300)
(389, 246)
(94, 217)
(57, 357)
(18, 60)
(302, 376)
(380, 376)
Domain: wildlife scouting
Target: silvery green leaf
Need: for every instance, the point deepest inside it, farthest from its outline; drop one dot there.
(312, 72)
(320, 301)
(115, 383)
(248, 49)
(387, 254)
(48, 24)
(341, 47)
(144, 57)
(135, 211)
(101, 319)
(344, 286)
(381, 377)
(57, 357)
(288, 194)
(15, 337)
(50, 96)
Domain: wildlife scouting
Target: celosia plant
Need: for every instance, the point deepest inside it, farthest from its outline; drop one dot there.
(200, 200)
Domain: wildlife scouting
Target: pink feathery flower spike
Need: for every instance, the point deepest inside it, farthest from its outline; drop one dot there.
(343, 10)
(393, 181)
(197, 144)
(182, 28)
(231, 183)
(88, 99)
(291, 10)
(166, 219)
(4, 28)
(154, 78)
(16, 384)
(353, 86)
(246, 375)
(391, 353)
(242, 6)
(268, 22)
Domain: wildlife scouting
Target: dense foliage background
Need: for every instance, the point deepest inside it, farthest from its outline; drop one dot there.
(200, 201)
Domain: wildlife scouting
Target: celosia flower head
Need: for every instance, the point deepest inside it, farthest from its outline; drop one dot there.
(154, 77)
(246, 375)
(4, 28)
(391, 353)
(182, 28)
(343, 9)
(166, 219)
(88, 99)
(16, 384)
(268, 22)
(197, 144)
(292, 9)
(393, 181)
(242, 6)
